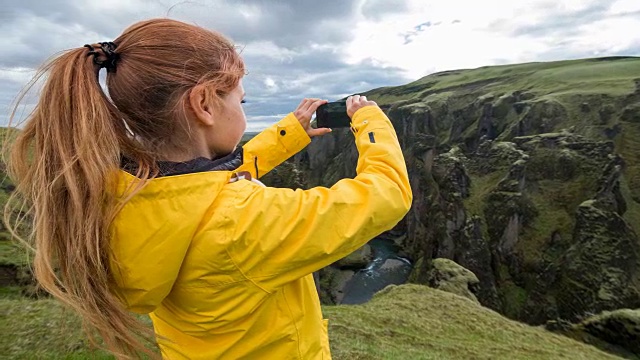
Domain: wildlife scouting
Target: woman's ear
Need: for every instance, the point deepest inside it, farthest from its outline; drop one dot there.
(200, 103)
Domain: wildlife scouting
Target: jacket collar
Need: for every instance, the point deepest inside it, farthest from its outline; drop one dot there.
(201, 164)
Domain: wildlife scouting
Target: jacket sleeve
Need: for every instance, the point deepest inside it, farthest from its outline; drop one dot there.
(281, 235)
(273, 146)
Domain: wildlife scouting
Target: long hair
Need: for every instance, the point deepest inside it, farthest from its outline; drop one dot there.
(65, 157)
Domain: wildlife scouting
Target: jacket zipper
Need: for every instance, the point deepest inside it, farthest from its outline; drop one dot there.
(255, 162)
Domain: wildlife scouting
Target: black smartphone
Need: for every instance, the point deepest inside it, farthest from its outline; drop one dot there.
(333, 115)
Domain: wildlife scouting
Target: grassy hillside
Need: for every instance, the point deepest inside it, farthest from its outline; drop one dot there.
(586, 76)
(403, 322)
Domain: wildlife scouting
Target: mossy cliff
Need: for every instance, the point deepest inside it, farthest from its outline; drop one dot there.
(527, 175)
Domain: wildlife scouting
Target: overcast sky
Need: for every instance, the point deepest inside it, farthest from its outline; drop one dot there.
(331, 48)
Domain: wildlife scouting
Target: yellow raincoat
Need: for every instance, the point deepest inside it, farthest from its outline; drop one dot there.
(224, 268)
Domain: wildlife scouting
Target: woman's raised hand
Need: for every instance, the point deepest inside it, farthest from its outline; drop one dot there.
(305, 111)
(356, 102)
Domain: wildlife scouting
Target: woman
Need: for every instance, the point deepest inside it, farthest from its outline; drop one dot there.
(142, 202)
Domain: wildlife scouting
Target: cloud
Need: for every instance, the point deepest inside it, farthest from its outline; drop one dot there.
(292, 24)
(559, 50)
(480, 33)
(379, 9)
(576, 29)
(13, 82)
(292, 49)
(569, 19)
(69, 24)
(316, 72)
(558, 18)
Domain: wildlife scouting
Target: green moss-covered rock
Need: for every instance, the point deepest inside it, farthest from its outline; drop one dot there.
(448, 276)
(620, 327)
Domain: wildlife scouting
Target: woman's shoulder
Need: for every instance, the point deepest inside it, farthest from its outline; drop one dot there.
(175, 187)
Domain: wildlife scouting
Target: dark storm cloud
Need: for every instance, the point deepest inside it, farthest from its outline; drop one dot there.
(308, 32)
(33, 29)
(290, 24)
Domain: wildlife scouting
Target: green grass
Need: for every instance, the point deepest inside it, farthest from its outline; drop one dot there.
(550, 77)
(403, 322)
(41, 329)
(416, 322)
(11, 253)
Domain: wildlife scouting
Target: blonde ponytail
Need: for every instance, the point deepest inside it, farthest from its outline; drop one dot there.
(61, 163)
(72, 144)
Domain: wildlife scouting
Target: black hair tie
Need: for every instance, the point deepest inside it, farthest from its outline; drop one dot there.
(109, 51)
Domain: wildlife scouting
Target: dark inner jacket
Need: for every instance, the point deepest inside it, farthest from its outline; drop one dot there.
(200, 164)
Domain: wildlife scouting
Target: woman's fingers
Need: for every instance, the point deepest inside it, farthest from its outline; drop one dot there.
(318, 132)
(307, 103)
(315, 105)
(355, 102)
(305, 110)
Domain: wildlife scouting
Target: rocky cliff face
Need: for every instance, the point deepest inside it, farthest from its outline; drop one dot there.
(532, 185)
